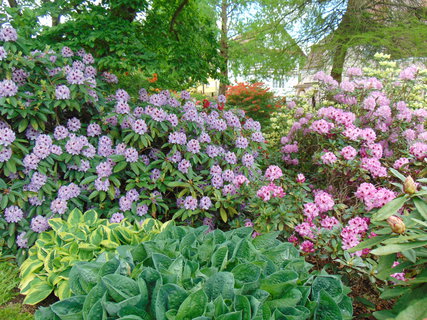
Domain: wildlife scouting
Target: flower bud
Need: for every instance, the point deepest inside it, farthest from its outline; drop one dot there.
(409, 186)
(396, 224)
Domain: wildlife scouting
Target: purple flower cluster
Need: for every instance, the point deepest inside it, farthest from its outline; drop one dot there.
(62, 92)
(8, 88)
(13, 214)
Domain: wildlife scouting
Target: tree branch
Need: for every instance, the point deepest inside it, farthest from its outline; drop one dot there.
(176, 14)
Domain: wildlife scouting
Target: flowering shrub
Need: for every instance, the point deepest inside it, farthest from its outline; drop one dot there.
(186, 273)
(401, 246)
(156, 154)
(365, 127)
(41, 88)
(255, 99)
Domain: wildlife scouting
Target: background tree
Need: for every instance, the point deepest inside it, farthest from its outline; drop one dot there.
(177, 39)
(364, 27)
(254, 39)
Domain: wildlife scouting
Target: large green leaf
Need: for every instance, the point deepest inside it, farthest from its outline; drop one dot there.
(389, 208)
(246, 273)
(38, 291)
(279, 282)
(84, 276)
(219, 258)
(393, 248)
(69, 309)
(92, 303)
(120, 287)
(327, 308)
(221, 283)
(332, 285)
(193, 306)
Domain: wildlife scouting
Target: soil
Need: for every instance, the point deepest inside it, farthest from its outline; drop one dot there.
(28, 308)
(362, 287)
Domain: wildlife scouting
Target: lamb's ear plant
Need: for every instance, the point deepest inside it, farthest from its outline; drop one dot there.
(185, 273)
(83, 237)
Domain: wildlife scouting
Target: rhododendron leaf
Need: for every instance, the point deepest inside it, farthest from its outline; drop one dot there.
(421, 206)
(410, 254)
(23, 125)
(369, 243)
(120, 166)
(389, 208)
(393, 248)
(420, 222)
(397, 174)
(223, 214)
(89, 179)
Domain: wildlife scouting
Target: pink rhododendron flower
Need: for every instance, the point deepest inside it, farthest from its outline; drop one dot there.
(307, 246)
(273, 172)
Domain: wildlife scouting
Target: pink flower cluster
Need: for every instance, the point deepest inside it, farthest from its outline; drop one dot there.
(353, 232)
(269, 191)
(373, 197)
(273, 173)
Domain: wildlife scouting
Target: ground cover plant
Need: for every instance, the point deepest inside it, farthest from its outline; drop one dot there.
(82, 237)
(9, 273)
(186, 273)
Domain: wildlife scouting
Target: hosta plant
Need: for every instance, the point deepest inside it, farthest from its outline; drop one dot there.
(186, 273)
(82, 237)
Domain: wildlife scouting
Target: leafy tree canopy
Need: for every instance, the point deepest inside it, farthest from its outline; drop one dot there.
(177, 39)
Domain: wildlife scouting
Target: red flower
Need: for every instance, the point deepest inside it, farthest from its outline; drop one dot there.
(206, 104)
(221, 106)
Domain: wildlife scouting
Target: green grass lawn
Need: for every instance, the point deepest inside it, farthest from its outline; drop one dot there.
(9, 281)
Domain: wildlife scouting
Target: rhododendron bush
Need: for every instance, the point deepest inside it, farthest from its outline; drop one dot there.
(355, 145)
(68, 140)
(360, 128)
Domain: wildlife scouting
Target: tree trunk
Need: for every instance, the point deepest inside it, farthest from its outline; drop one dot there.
(13, 3)
(342, 36)
(56, 19)
(338, 60)
(224, 48)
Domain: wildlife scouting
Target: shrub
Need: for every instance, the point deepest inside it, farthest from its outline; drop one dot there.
(401, 246)
(186, 273)
(156, 154)
(255, 99)
(83, 237)
(362, 127)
